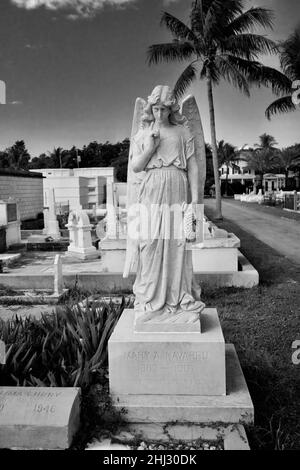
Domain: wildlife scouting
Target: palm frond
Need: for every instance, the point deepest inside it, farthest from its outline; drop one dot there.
(169, 52)
(185, 80)
(233, 75)
(290, 56)
(249, 19)
(248, 45)
(177, 27)
(261, 75)
(280, 106)
(198, 13)
(219, 15)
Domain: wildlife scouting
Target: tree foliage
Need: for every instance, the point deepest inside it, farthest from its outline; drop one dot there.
(219, 43)
(15, 157)
(290, 65)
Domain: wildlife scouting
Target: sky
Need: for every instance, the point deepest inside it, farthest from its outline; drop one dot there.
(73, 69)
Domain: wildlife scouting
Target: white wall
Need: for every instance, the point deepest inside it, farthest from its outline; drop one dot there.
(63, 180)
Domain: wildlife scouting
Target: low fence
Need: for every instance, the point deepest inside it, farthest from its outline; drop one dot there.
(292, 202)
(285, 200)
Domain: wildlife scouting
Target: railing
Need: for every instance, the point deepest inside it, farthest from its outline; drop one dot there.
(292, 202)
(273, 199)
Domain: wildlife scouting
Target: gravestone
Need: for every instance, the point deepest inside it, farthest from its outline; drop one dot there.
(50, 220)
(38, 417)
(10, 220)
(2, 352)
(80, 236)
(58, 276)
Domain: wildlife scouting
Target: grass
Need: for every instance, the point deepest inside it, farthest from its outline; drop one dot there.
(262, 323)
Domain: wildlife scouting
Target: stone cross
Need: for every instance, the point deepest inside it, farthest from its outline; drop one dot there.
(58, 276)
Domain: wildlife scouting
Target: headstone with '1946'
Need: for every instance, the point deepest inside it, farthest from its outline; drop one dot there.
(38, 417)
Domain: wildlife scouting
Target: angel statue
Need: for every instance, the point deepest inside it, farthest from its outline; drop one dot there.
(166, 169)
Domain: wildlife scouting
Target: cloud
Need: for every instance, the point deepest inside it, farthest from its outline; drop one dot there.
(78, 8)
(33, 46)
(16, 103)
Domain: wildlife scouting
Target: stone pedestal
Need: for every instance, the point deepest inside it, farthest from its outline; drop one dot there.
(165, 377)
(190, 323)
(167, 363)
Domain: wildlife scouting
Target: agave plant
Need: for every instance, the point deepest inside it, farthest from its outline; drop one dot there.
(65, 348)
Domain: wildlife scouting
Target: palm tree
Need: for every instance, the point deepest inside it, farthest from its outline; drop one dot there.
(227, 155)
(266, 141)
(290, 65)
(288, 158)
(219, 44)
(17, 156)
(56, 155)
(264, 158)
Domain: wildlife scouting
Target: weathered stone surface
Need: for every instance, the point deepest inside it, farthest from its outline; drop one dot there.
(235, 438)
(235, 407)
(190, 323)
(38, 417)
(215, 260)
(167, 363)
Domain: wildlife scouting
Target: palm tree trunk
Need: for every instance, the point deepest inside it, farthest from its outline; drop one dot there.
(286, 179)
(218, 214)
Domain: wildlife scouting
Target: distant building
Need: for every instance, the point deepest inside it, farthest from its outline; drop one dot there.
(239, 173)
(26, 188)
(85, 187)
(272, 182)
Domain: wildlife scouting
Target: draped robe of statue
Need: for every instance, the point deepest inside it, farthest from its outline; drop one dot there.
(164, 287)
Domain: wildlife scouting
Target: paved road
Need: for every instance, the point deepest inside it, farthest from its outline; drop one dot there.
(282, 234)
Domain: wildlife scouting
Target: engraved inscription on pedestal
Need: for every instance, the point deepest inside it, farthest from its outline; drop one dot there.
(38, 417)
(169, 363)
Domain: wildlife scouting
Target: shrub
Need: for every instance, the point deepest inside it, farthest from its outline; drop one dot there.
(67, 348)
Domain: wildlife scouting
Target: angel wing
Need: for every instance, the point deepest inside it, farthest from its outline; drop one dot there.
(133, 182)
(191, 112)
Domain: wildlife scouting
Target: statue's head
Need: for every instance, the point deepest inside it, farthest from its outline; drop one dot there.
(163, 95)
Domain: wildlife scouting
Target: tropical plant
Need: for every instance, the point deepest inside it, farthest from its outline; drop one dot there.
(57, 157)
(267, 142)
(264, 158)
(219, 44)
(228, 156)
(67, 348)
(288, 159)
(17, 156)
(290, 65)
